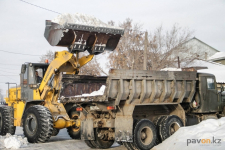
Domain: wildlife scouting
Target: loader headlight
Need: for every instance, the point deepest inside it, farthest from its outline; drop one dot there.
(33, 85)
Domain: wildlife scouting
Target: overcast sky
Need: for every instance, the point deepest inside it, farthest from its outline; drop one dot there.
(22, 25)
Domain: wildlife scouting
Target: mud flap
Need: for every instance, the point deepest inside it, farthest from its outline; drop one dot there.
(87, 130)
(124, 128)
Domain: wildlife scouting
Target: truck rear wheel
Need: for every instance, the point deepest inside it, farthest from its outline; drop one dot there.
(37, 124)
(157, 123)
(7, 120)
(169, 125)
(74, 131)
(144, 134)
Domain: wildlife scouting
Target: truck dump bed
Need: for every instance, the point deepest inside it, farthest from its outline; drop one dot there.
(144, 87)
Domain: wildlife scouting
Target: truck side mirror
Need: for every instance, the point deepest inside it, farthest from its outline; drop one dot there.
(23, 68)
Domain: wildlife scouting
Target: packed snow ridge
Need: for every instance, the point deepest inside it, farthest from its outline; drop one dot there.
(13, 141)
(82, 19)
(95, 93)
(207, 135)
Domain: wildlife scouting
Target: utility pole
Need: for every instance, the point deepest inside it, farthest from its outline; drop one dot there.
(178, 60)
(145, 51)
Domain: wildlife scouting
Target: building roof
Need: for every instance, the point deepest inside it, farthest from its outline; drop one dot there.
(194, 38)
(217, 56)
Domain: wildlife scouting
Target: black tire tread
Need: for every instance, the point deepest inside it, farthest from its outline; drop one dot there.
(72, 134)
(89, 144)
(7, 120)
(46, 128)
(163, 126)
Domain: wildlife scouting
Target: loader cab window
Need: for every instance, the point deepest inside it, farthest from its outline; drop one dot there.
(39, 72)
(25, 78)
(210, 83)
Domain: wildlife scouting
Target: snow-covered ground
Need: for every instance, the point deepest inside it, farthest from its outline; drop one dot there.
(13, 141)
(207, 135)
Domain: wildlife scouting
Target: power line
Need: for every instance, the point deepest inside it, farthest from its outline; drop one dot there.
(18, 53)
(40, 7)
(10, 64)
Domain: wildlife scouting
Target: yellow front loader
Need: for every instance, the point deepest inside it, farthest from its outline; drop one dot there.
(34, 104)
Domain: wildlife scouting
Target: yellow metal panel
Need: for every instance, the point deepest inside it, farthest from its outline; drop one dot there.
(18, 112)
(14, 95)
(36, 95)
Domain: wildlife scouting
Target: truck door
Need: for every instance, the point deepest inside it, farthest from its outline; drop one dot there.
(211, 94)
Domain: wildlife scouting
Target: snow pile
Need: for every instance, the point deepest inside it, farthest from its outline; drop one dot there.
(171, 69)
(13, 141)
(207, 135)
(99, 92)
(78, 18)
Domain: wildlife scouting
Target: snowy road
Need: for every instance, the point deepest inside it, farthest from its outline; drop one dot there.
(60, 142)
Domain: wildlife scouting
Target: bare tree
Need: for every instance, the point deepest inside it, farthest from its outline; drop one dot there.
(49, 56)
(163, 48)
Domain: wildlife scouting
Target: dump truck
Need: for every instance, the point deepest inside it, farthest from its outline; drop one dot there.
(34, 105)
(142, 108)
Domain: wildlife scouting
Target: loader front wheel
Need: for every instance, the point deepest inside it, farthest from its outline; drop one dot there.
(37, 124)
(74, 131)
(6, 120)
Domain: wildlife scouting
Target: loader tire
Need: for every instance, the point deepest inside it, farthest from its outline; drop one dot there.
(169, 125)
(55, 132)
(144, 135)
(37, 124)
(74, 131)
(89, 144)
(7, 120)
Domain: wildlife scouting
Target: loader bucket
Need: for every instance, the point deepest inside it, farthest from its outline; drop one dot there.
(78, 37)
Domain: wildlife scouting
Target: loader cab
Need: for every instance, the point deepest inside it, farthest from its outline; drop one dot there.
(29, 79)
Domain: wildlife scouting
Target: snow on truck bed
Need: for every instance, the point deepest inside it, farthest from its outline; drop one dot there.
(94, 93)
(207, 135)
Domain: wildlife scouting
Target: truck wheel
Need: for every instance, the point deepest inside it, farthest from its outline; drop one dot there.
(144, 134)
(169, 125)
(89, 144)
(130, 145)
(7, 120)
(101, 143)
(37, 124)
(74, 131)
(55, 132)
(157, 123)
